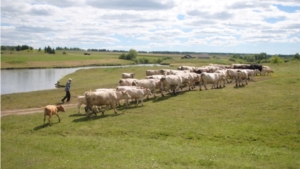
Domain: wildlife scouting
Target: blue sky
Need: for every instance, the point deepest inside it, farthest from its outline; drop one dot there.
(250, 26)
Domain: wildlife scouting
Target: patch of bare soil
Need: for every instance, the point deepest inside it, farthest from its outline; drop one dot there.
(31, 110)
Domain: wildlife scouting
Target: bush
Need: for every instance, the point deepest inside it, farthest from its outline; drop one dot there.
(64, 53)
(297, 56)
(132, 54)
(232, 59)
(276, 59)
(265, 61)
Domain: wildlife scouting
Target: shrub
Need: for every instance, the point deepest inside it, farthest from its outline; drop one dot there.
(276, 59)
(232, 59)
(297, 56)
(132, 54)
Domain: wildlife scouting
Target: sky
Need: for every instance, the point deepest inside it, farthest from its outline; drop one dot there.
(225, 26)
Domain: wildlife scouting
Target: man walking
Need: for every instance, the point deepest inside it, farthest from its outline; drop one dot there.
(67, 89)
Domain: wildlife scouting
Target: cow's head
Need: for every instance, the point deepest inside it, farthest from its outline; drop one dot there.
(61, 108)
(126, 95)
(134, 83)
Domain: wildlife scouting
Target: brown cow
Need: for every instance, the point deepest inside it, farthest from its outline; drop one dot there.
(52, 110)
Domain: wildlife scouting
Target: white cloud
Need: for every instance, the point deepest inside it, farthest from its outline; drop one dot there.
(113, 23)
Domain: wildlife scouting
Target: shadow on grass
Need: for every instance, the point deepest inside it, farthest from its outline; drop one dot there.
(237, 87)
(44, 125)
(77, 114)
(94, 117)
(170, 95)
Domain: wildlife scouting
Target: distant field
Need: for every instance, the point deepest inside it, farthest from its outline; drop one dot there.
(37, 59)
(70, 59)
(256, 126)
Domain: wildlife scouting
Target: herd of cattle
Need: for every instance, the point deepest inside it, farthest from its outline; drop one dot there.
(167, 80)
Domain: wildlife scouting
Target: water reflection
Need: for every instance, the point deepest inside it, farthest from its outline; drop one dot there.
(27, 80)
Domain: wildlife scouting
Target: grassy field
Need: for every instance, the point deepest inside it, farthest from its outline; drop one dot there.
(256, 126)
(36, 59)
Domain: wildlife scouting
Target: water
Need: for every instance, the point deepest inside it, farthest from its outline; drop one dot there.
(27, 80)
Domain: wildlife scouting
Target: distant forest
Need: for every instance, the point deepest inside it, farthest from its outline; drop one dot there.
(235, 55)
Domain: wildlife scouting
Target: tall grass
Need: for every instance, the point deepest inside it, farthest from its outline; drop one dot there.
(256, 126)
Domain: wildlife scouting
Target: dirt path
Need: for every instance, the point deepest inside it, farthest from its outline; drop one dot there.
(30, 111)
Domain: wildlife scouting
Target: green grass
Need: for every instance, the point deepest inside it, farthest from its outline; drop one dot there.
(256, 126)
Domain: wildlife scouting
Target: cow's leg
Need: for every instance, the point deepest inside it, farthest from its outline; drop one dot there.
(50, 119)
(200, 85)
(114, 107)
(153, 92)
(79, 111)
(161, 91)
(57, 116)
(44, 118)
(205, 85)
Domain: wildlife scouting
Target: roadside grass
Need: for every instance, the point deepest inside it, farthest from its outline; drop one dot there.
(256, 126)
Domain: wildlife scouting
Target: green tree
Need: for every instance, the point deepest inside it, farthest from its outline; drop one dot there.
(297, 56)
(18, 48)
(276, 59)
(132, 54)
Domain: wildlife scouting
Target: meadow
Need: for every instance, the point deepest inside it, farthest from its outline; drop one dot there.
(256, 126)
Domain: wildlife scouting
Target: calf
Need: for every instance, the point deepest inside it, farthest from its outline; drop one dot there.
(52, 110)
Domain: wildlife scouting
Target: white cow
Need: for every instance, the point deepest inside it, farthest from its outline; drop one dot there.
(212, 78)
(174, 72)
(251, 73)
(152, 72)
(223, 73)
(127, 75)
(151, 84)
(189, 78)
(242, 75)
(126, 82)
(231, 73)
(81, 100)
(104, 89)
(189, 68)
(136, 93)
(169, 81)
(154, 77)
(165, 71)
(107, 98)
(267, 72)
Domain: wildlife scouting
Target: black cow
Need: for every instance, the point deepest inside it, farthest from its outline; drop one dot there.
(252, 66)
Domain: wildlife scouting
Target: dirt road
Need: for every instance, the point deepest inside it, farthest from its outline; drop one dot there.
(30, 111)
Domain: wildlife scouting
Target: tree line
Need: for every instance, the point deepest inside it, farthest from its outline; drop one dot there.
(263, 58)
(16, 48)
(66, 48)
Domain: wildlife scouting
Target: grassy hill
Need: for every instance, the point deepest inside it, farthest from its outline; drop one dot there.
(256, 126)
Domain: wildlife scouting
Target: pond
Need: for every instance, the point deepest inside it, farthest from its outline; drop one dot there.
(27, 80)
